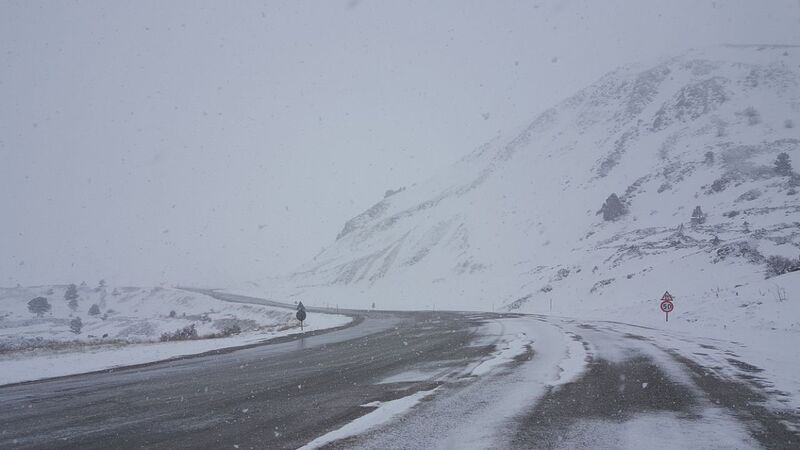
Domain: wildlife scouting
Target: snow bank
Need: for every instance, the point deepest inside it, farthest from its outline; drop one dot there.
(128, 328)
(384, 412)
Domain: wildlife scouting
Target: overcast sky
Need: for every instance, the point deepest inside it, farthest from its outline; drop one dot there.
(217, 142)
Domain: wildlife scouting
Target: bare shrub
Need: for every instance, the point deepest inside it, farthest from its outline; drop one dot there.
(779, 265)
(186, 333)
(752, 115)
(780, 294)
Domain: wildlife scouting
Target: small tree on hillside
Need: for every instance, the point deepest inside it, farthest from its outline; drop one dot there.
(75, 325)
(39, 306)
(71, 293)
(613, 208)
(94, 310)
(783, 165)
(698, 216)
(709, 157)
(71, 296)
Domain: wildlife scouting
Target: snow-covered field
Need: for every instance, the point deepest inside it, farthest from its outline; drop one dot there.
(128, 326)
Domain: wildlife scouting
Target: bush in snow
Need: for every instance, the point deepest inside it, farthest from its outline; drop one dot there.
(94, 310)
(172, 314)
(698, 216)
(779, 265)
(794, 180)
(183, 334)
(783, 165)
(753, 118)
(752, 194)
(613, 208)
(75, 325)
(226, 332)
(720, 184)
(39, 306)
(709, 157)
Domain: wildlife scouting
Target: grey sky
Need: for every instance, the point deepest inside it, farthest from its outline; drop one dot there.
(217, 142)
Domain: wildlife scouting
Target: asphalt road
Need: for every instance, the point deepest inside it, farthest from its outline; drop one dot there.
(279, 395)
(285, 393)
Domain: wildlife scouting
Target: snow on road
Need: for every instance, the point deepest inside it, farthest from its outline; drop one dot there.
(384, 412)
(658, 401)
(474, 407)
(510, 349)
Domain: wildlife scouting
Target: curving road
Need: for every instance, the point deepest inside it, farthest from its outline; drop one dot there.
(635, 387)
(279, 395)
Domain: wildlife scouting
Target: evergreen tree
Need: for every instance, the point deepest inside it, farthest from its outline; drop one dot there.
(71, 293)
(783, 165)
(39, 306)
(94, 310)
(75, 325)
(71, 296)
(698, 217)
(613, 208)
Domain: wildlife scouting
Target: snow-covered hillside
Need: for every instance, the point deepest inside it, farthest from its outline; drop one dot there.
(517, 222)
(123, 315)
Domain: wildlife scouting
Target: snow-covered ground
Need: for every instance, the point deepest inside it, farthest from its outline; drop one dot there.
(518, 224)
(127, 328)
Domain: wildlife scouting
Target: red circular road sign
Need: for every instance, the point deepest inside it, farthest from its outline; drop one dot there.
(667, 307)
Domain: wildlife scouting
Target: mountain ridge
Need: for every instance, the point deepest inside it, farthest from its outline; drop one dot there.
(516, 217)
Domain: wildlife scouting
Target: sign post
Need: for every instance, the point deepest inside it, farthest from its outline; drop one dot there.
(301, 314)
(666, 304)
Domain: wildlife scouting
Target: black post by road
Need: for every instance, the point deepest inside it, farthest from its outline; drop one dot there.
(301, 314)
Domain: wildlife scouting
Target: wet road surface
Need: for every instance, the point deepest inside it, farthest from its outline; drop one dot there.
(286, 393)
(279, 395)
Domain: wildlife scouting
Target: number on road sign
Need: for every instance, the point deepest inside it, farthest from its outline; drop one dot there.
(667, 307)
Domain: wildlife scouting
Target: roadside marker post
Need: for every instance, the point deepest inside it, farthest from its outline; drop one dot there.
(301, 314)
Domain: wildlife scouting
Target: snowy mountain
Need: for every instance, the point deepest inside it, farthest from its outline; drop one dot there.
(521, 221)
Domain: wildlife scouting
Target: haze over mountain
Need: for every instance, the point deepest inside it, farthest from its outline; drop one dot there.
(213, 143)
(521, 220)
